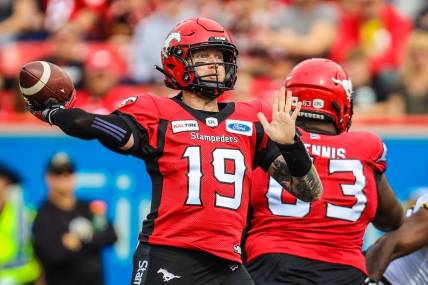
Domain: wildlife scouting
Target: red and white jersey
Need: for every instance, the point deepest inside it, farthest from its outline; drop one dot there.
(332, 228)
(201, 165)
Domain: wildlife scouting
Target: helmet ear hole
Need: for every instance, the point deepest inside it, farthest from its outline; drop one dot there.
(336, 108)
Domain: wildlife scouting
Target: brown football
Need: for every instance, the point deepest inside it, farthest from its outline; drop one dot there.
(43, 84)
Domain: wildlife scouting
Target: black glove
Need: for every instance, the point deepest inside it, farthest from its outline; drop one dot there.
(48, 112)
(51, 106)
(45, 114)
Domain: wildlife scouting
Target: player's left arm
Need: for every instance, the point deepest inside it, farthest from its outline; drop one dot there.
(306, 188)
(411, 236)
(293, 169)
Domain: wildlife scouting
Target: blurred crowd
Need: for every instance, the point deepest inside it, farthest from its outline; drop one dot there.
(110, 47)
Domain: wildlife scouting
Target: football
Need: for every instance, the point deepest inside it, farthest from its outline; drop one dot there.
(43, 84)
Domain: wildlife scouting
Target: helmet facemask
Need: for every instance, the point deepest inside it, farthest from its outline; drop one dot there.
(208, 86)
(203, 83)
(211, 88)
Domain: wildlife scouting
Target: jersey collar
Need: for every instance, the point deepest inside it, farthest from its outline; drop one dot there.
(226, 109)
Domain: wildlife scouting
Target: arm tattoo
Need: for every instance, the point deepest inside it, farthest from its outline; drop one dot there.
(306, 188)
(279, 171)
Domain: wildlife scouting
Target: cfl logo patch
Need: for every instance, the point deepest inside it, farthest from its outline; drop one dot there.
(211, 122)
(318, 103)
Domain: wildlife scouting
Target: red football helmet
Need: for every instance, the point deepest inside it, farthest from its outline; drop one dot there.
(177, 65)
(324, 89)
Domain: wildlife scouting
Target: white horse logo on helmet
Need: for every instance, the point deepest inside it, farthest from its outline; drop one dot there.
(346, 84)
(172, 36)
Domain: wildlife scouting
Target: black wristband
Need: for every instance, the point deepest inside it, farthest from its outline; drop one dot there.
(298, 161)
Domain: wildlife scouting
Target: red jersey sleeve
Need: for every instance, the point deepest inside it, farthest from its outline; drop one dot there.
(377, 153)
(263, 107)
(145, 112)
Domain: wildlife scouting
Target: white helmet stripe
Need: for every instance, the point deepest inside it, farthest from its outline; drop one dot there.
(41, 83)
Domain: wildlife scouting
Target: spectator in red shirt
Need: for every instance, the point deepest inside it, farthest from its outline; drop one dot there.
(377, 27)
(381, 31)
(102, 91)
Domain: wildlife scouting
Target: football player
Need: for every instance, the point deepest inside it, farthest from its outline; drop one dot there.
(291, 241)
(406, 247)
(200, 155)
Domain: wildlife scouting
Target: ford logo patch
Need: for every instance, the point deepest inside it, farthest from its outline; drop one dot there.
(239, 127)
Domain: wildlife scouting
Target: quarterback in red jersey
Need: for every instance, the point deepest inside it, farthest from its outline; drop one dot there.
(200, 155)
(295, 242)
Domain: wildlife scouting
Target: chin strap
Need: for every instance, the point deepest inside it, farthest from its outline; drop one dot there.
(173, 83)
